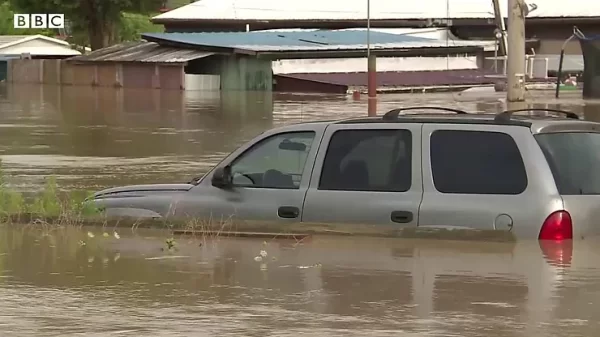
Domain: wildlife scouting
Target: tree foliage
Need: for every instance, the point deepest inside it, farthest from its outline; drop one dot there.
(6, 23)
(98, 21)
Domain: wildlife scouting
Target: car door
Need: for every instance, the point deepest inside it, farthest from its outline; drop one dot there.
(367, 174)
(474, 176)
(270, 177)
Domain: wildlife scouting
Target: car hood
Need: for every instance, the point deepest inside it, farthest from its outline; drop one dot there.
(138, 190)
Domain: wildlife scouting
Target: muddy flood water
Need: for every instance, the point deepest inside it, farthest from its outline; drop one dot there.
(80, 282)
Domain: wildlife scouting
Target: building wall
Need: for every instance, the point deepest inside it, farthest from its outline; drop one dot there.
(350, 65)
(210, 65)
(3, 70)
(246, 73)
(292, 84)
(551, 36)
(25, 71)
(202, 82)
(127, 75)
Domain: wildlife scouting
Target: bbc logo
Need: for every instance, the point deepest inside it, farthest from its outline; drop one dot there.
(39, 21)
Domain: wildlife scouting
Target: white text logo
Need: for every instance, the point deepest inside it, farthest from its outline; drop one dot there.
(39, 21)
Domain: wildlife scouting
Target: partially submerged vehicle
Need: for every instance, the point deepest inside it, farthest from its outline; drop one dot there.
(417, 167)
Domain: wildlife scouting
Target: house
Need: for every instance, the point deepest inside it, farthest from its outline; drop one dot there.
(31, 46)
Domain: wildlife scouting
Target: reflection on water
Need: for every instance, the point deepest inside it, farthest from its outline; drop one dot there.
(51, 285)
(96, 137)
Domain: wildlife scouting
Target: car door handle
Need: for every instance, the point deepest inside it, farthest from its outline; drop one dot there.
(288, 212)
(402, 216)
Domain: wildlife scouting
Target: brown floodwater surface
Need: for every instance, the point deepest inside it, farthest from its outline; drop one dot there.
(92, 138)
(53, 285)
(65, 283)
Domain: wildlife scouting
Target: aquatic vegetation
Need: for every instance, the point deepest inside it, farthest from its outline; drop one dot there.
(50, 202)
(262, 257)
(170, 243)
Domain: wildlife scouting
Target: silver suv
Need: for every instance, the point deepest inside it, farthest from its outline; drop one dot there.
(536, 176)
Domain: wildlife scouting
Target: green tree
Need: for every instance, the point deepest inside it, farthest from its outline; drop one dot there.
(133, 25)
(6, 23)
(99, 20)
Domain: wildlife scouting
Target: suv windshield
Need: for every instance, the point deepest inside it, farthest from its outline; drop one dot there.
(574, 158)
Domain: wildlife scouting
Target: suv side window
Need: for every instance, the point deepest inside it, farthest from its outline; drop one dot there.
(368, 160)
(476, 162)
(274, 162)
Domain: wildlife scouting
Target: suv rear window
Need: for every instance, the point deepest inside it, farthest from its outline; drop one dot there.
(574, 158)
(476, 162)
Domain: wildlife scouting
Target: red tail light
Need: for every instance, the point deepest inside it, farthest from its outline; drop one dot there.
(558, 226)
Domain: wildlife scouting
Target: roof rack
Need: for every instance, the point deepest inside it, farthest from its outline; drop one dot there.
(506, 115)
(393, 114)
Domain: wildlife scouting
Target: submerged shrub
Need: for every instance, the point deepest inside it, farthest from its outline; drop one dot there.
(50, 202)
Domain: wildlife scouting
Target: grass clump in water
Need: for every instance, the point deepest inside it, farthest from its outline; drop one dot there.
(50, 203)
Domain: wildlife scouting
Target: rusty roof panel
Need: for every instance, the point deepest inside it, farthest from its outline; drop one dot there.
(148, 52)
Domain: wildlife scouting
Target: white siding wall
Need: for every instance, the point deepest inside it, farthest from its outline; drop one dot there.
(383, 64)
(202, 82)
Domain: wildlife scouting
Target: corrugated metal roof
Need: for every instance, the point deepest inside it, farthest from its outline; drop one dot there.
(318, 40)
(252, 10)
(141, 52)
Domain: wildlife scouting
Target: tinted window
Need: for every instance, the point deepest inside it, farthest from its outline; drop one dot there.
(574, 159)
(368, 160)
(274, 162)
(476, 162)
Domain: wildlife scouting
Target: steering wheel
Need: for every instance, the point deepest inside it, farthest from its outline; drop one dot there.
(246, 176)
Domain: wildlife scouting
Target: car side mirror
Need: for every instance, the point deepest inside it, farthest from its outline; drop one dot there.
(222, 177)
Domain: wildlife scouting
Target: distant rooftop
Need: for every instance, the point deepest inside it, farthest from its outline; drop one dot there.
(35, 45)
(340, 10)
(307, 41)
(144, 52)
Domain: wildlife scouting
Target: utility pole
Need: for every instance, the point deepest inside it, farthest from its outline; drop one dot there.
(517, 10)
(371, 69)
(499, 19)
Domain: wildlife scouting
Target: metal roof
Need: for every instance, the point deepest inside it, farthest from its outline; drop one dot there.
(9, 39)
(149, 52)
(17, 44)
(254, 10)
(309, 40)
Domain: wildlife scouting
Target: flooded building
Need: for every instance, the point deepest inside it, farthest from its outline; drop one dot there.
(31, 46)
(254, 61)
(549, 22)
(268, 60)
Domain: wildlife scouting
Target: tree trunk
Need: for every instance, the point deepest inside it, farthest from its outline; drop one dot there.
(102, 23)
(96, 36)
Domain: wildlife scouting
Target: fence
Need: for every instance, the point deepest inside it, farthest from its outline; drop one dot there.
(126, 75)
(535, 67)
